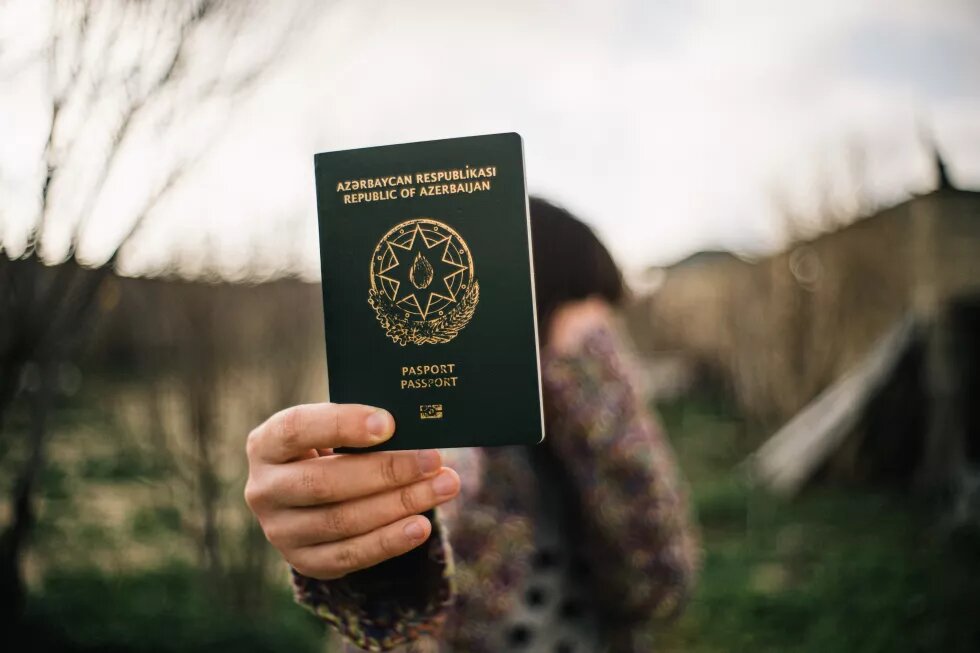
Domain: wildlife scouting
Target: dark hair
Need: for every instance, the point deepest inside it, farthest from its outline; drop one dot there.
(569, 262)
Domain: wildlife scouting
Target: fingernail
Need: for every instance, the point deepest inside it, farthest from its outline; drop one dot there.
(414, 530)
(429, 461)
(444, 484)
(378, 424)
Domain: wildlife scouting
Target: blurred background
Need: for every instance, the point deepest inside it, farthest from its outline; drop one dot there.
(791, 189)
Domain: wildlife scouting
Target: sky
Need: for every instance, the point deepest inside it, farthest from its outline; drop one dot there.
(670, 126)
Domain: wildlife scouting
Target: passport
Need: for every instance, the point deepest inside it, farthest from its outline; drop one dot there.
(428, 290)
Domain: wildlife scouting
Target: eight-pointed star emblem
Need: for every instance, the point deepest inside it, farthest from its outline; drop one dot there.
(426, 269)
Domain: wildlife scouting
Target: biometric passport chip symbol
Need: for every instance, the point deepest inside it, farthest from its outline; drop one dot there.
(423, 287)
(430, 411)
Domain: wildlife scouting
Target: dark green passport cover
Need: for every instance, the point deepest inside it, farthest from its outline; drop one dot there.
(428, 295)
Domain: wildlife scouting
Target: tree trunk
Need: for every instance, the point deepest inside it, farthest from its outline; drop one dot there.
(14, 538)
(201, 403)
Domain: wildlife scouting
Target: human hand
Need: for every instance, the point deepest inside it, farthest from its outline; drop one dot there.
(330, 514)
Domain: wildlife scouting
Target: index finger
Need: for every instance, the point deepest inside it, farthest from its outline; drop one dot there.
(292, 432)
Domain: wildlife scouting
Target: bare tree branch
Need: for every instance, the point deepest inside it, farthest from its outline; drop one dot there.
(48, 312)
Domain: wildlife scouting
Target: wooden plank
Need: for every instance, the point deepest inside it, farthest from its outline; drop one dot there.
(786, 461)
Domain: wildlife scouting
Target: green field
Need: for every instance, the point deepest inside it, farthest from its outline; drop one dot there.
(837, 570)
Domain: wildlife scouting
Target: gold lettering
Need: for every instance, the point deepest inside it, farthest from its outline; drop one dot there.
(428, 375)
(468, 179)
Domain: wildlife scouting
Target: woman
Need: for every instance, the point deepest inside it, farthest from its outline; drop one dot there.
(572, 545)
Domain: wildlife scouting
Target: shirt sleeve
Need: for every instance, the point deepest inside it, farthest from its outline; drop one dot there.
(639, 538)
(391, 605)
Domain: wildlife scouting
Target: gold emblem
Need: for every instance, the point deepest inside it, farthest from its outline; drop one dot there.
(423, 290)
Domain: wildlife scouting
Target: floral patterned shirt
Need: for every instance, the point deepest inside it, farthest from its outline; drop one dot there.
(634, 529)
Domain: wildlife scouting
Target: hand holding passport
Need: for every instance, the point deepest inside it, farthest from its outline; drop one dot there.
(330, 515)
(431, 342)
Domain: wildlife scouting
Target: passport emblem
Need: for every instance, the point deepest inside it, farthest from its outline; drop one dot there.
(423, 287)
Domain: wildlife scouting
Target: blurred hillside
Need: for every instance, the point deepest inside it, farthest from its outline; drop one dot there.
(777, 331)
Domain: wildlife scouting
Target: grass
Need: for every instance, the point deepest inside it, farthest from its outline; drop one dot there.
(837, 569)
(163, 611)
(844, 570)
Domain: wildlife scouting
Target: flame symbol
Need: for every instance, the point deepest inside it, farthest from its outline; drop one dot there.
(421, 273)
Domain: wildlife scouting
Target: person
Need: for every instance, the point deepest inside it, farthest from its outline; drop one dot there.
(575, 544)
